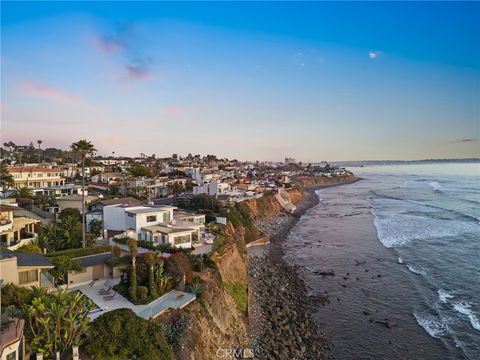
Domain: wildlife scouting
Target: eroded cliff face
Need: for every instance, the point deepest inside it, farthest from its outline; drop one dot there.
(216, 322)
(324, 180)
(268, 206)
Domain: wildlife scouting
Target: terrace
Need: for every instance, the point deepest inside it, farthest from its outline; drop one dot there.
(174, 299)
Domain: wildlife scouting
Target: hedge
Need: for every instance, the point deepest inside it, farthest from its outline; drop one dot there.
(73, 253)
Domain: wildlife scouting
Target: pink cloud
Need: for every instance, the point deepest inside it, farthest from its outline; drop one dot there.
(138, 73)
(105, 46)
(173, 110)
(47, 92)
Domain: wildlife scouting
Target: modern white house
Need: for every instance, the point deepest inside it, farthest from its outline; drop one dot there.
(213, 188)
(157, 224)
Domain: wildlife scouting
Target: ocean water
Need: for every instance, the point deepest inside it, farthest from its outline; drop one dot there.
(404, 244)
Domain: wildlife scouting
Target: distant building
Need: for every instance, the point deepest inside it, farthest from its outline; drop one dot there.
(36, 177)
(15, 231)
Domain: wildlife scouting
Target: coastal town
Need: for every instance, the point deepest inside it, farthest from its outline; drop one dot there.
(133, 240)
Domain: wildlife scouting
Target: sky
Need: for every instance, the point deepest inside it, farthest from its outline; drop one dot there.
(247, 80)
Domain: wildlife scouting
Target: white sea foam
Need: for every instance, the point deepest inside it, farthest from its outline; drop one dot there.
(433, 325)
(464, 308)
(444, 296)
(400, 260)
(398, 222)
(417, 270)
(435, 186)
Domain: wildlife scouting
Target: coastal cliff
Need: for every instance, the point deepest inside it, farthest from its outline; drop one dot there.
(218, 320)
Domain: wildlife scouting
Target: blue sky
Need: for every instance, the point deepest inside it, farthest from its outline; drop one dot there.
(314, 81)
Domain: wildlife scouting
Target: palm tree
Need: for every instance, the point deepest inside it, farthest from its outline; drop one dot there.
(6, 179)
(39, 142)
(83, 148)
(23, 193)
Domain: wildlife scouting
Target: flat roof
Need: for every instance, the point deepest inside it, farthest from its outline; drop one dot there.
(75, 197)
(146, 210)
(165, 229)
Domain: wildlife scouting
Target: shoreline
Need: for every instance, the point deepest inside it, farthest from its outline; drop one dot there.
(282, 324)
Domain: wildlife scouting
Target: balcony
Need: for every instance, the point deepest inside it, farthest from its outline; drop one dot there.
(11, 331)
(5, 225)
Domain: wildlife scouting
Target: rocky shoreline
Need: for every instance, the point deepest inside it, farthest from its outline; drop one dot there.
(281, 323)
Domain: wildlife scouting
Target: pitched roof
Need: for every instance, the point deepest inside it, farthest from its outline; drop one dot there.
(27, 259)
(91, 260)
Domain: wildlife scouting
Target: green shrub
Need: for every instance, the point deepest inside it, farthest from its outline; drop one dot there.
(142, 293)
(73, 253)
(174, 331)
(120, 334)
(29, 249)
(238, 292)
(17, 296)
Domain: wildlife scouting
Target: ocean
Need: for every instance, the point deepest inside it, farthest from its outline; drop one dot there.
(394, 262)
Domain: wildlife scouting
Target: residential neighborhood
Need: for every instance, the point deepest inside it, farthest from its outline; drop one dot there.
(81, 223)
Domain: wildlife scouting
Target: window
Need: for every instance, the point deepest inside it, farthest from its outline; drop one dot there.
(12, 356)
(151, 218)
(182, 239)
(166, 216)
(25, 277)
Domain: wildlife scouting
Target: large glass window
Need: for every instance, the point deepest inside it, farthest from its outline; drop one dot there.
(151, 218)
(25, 277)
(182, 239)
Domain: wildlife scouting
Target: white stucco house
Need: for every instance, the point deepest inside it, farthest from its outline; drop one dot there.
(157, 224)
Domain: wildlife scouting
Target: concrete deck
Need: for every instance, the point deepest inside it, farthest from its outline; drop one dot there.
(118, 302)
(174, 299)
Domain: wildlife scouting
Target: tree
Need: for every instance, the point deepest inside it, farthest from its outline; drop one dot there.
(96, 227)
(29, 249)
(6, 179)
(72, 213)
(16, 296)
(63, 265)
(57, 321)
(83, 148)
(39, 142)
(150, 260)
(132, 245)
(121, 334)
(23, 193)
(139, 170)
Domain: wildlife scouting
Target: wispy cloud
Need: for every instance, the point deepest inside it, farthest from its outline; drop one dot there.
(173, 110)
(124, 39)
(48, 92)
(374, 54)
(460, 141)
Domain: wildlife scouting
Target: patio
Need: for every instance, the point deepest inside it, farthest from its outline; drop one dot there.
(174, 299)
